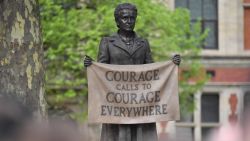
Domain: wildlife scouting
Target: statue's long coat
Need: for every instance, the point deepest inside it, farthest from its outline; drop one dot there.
(112, 50)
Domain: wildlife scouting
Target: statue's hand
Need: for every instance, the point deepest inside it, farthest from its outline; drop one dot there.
(87, 61)
(176, 59)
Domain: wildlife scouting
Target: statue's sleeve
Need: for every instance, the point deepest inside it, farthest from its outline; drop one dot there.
(148, 58)
(103, 54)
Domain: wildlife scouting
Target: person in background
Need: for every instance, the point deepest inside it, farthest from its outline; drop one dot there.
(13, 116)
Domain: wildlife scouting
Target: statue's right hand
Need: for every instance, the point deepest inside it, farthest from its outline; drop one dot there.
(87, 61)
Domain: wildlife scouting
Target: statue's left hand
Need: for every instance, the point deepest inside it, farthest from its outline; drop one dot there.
(176, 59)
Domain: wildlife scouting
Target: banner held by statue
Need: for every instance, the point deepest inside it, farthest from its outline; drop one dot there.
(130, 94)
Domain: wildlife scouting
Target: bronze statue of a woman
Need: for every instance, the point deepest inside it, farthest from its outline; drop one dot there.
(126, 48)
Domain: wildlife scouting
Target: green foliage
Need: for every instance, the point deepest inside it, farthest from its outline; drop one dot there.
(70, 32)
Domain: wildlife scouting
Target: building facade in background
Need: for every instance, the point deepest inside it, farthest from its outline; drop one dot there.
(226, 57)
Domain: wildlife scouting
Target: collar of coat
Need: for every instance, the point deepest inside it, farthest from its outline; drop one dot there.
(117, 41)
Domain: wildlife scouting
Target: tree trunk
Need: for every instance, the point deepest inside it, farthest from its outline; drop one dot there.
(21, 54)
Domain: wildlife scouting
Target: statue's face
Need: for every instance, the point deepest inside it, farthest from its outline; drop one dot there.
(126, 20)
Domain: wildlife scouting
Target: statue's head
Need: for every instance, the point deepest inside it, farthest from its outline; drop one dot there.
(125, 16)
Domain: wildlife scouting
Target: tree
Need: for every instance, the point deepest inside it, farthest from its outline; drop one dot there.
(21, 54)
(72, 31)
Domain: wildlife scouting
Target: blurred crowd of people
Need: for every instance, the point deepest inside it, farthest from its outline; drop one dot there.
(17, 124)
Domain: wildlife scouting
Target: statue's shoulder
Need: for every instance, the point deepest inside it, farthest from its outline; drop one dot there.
(111, 37)
(141, 40)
